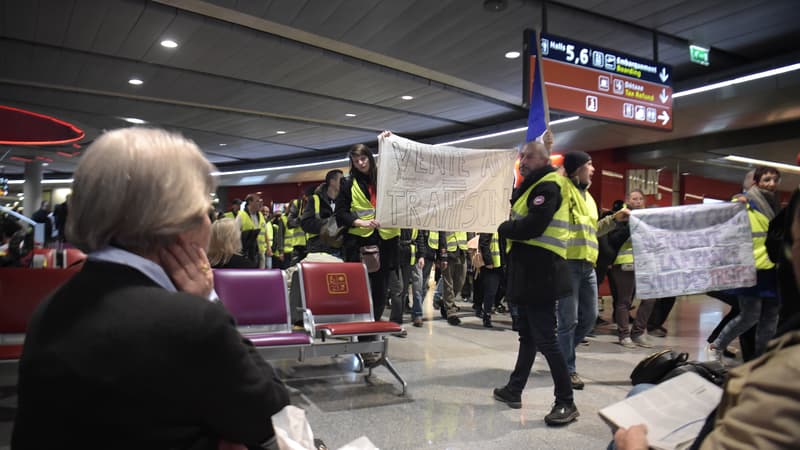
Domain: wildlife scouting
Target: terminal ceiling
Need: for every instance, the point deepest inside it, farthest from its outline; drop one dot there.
(271, 82)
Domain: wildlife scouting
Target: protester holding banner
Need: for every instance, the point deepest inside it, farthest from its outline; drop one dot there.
(759, 304)
(623, 279)
(355, 210)
(537, 276)
(577, 313)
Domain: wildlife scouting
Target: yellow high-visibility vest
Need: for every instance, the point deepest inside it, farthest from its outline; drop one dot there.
(455, 240)
(247, 224)
(625, 254)
(494, 249)
(582, 243)
(556, 235)
(759, 224)
(363, 209)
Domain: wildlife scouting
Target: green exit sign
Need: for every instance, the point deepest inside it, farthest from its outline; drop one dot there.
(698, 55)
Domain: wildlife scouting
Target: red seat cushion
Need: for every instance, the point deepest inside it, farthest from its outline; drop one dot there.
(13, 351)
(360, 328)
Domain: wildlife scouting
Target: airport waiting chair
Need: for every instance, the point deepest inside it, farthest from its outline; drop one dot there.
(257, 299)
(21, 291)
(340, 301)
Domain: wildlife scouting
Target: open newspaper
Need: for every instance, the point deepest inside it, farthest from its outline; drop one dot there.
(674, 411)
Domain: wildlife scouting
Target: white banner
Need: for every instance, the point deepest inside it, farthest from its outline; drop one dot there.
(432, 187)
(692, 249)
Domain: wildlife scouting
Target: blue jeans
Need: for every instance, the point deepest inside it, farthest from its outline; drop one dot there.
(413, 275)
(762, 312)
(490, 280)
(577, 313)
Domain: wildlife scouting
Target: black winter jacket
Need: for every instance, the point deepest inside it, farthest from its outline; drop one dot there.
(535, 274)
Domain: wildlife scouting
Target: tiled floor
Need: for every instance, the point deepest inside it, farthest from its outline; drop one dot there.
(451, 372)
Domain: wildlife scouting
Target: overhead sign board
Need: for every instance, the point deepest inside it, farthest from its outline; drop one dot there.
(596, 82)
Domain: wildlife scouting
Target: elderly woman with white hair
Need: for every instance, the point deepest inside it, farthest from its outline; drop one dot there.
(130, 353)
(225, 249)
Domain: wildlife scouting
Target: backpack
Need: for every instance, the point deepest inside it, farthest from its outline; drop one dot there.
(655, 367)
(713, 371)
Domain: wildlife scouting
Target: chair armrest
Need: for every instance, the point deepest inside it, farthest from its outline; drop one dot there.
(308, 321)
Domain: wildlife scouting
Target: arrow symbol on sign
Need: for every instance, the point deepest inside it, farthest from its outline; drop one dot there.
(663, 75)
(663, 96)
(664, 117)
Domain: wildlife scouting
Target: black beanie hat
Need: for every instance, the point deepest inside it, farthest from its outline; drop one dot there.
(574, 160)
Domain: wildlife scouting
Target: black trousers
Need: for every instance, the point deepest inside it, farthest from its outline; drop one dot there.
(537, 332)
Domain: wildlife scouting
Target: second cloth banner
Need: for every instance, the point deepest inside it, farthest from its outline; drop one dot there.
(432, 187)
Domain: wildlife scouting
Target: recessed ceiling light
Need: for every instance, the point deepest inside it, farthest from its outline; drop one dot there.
(512, 55)
(407, 97)
(45, 164)
(133, 120)
(350, 115)
(222, 145)
(280, 132)
(169, 43)
(135, 81)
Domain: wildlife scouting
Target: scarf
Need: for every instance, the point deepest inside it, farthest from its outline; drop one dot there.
(763, 201)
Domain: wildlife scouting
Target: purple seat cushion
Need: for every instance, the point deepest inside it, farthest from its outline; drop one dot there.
(253, 296)
(278, 339)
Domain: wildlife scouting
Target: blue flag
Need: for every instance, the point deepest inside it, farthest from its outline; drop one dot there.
(537, 115)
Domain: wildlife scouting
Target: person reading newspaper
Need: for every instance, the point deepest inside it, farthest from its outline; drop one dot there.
(759, 407)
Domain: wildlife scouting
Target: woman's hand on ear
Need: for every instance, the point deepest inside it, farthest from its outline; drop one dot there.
(187, 266)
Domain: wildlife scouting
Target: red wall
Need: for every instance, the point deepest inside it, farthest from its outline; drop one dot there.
(606, 189)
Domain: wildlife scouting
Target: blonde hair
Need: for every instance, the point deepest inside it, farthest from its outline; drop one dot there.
(226, 241)
(138, 189)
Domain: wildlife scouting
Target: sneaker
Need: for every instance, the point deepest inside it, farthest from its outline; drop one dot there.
(562, 414)
(577, 383)
(715, 354)
(401, 334)
(658, 332)
(487, 321)
(453, 320)
(504, 395)
(642, 341)
(418, 322)
(627, 342)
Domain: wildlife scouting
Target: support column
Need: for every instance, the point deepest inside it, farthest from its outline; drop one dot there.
(32, 187)
(677, 188)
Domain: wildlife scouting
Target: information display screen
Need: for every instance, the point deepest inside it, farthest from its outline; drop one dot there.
(596, 82)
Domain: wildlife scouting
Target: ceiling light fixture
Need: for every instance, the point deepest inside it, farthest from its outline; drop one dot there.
(169, 43)
(64, 181)
(135, 82)
(763, 162)
(133, 120)
(280, 132)
(351, 115)
(503, 133)
(291, 166)
(222, 145)
(407, 97)
(739, 80)
(512, 55)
